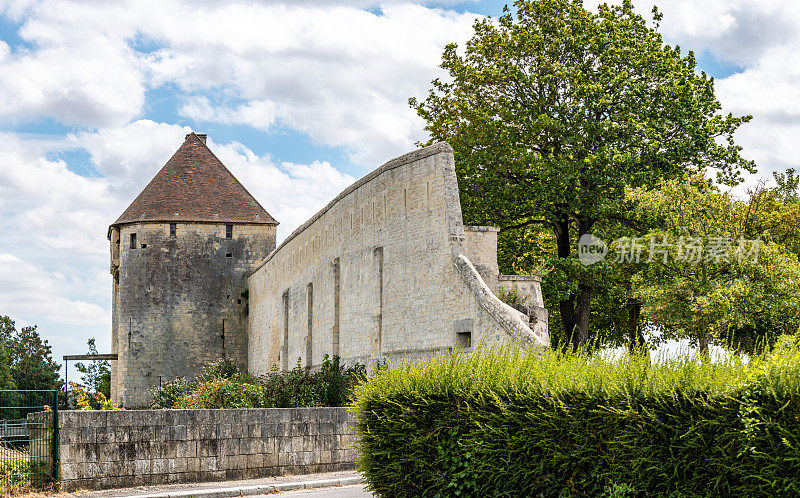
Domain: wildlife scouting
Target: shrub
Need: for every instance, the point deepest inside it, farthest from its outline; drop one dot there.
(223, 393)
(14, 474)
(506, 423)
(221, 385)
(166, 395)
(332, 385)
(223, 368)
(89, 401)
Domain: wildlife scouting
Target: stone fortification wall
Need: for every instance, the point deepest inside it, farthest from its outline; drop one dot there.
(480, 246)
(378, 273)
(529, 289)
(113, 449)
(179, 300)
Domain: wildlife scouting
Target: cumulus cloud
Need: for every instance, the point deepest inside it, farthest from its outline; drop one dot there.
(45, 206)
(78, 71)
(738, 31)
(339, 74)
(331, 70)
(289, 192)
(39, 295)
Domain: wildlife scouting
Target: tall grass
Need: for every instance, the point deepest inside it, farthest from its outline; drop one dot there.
(509, 423)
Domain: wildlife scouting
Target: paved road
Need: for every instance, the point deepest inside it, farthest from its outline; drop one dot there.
(336, 492)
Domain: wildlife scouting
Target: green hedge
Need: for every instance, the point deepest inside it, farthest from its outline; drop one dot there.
(509, 424)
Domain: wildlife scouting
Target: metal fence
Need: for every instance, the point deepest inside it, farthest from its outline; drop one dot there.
(28, 439)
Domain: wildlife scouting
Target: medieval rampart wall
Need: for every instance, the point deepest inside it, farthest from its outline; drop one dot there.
(378, 272)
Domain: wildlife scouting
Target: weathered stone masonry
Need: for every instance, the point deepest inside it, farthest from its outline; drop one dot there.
(179, 258)
(113, 449)
(389, 264)
(387, 270)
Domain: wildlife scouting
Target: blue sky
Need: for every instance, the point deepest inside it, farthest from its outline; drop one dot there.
(299, 99)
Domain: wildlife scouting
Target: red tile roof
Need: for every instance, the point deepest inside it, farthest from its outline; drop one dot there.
(195, 186)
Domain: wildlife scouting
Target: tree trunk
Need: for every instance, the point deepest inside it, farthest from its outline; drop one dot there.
(703, 343)
(581, 335)
(566, 306)
(636, 345)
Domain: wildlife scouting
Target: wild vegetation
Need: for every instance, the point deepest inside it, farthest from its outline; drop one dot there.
(222, 385)
(510, 423)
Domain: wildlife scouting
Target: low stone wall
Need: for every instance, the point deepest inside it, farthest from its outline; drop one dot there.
(115, 449)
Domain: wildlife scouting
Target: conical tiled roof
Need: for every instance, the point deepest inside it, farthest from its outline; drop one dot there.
(195, 186)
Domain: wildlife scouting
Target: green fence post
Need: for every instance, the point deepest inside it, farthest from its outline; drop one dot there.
(55, 437)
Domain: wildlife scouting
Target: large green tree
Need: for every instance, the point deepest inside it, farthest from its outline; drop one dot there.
(705, 280)
(30, 358)
(555, 110)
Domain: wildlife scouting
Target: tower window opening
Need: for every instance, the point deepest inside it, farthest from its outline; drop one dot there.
(133, 241)
(173, 229)
(464, 340)
(144, 246)
(228, 255)
(228, 231)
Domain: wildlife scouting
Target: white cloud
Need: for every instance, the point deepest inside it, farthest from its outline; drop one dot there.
(129, 156)
(340, 74)
(77, 72)
(39, 296)
(259, 114)
(763, 39)
(738, 31)
(290, 192)
(45, 206)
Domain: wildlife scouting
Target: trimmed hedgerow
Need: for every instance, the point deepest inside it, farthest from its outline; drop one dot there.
(506, 423)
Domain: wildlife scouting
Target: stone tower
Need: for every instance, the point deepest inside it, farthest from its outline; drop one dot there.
(180, 255)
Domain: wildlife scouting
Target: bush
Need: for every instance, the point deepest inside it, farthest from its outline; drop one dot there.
(223, 393)
(221, 385)
(14, 474)
(223, 368)
(332, 385)
(506, 423)
(166, 395)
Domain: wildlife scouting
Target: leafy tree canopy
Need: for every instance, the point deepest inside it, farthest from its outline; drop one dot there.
(705, 280)
(29, 357)
(6, 328)
(555, 111)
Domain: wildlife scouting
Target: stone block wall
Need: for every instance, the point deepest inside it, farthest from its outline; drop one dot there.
(480, 246)
(377, 274)
(114, 449)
